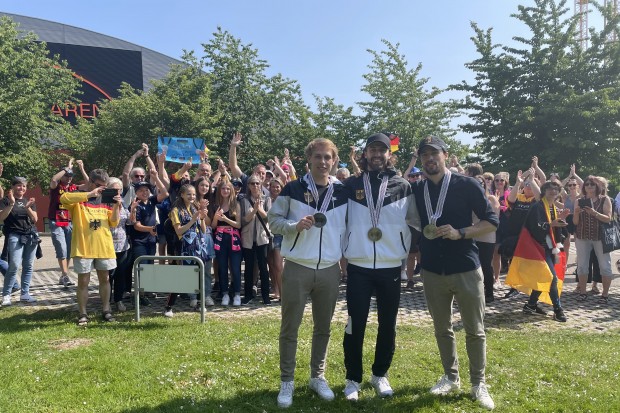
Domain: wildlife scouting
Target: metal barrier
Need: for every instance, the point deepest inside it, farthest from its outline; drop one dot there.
(169, 279)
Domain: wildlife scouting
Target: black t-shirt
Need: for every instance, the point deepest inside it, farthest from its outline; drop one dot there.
(18, 221)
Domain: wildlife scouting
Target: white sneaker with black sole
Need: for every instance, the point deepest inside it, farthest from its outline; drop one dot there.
(27, 298)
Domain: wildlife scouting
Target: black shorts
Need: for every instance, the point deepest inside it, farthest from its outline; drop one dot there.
(414, 247)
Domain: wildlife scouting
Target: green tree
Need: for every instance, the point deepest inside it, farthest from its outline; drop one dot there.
(30, 83)
(546, 96)
(402, 102)
(268, 110)
(339, 124)
(178, 105)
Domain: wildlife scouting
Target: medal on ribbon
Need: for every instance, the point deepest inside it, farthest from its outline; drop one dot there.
(374, 233)
(320, 219)
(430, 230)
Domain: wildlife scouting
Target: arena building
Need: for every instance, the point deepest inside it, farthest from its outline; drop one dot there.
(102, 63)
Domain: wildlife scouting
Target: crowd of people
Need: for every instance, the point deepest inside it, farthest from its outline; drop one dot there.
(301, 235)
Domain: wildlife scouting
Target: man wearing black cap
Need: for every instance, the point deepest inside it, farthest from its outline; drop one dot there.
(450, 264)
(60, 221)
(377, 240)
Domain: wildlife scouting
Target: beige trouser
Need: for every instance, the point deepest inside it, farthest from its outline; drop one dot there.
(467, 288)
(299, 283)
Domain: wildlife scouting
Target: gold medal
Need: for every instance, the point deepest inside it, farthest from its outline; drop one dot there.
(430, 231)
(374, 234)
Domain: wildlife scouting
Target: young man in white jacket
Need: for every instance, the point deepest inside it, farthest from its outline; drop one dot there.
(310, 213)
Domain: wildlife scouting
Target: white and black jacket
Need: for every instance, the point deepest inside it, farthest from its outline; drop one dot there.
(398, 212)
(317, 247)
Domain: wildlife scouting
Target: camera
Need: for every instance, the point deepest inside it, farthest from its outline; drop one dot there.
(107, 196)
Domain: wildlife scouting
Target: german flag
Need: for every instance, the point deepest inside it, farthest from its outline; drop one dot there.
(394, 142)
(529, 271)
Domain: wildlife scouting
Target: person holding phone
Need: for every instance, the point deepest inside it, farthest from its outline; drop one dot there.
(590, 211)
(91, 243)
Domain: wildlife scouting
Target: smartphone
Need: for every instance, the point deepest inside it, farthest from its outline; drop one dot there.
(107, 196)
(584, 202)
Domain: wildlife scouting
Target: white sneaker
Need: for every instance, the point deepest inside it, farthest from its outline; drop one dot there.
(120, 307)
(285, 397)
(65, 281)
(168, 313)
(381, 386)
(445, 386)
(193, 303)
(6, 301)
(481, 394)
(319, 386)
(237, 300)
(351, 390)
(403, 275)
(209, 301)
(27, 298)
(225, 299)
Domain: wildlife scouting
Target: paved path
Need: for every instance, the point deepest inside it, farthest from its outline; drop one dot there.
(591, 315)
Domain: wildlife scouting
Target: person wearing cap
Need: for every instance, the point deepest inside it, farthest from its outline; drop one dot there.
(376, 242)
(144, 235)
(310, 214)
(21, 238)
(92, 246)
(450, 264)
(60, 221)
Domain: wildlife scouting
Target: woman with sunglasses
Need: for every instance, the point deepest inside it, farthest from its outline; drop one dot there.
(500, 190)
(255, 238)
(591, 210)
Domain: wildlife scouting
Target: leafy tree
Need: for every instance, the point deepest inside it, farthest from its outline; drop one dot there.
(30, 83)
(546, 96)
(339, 124)
(178, 105)
(268, 110)
(402, 102)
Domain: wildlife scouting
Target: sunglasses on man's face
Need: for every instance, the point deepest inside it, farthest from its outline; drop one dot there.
(589, 184)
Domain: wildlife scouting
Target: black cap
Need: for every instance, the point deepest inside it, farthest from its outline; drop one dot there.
(434, 142)
(378, 137)
(236, 182)
(68, 172)
(140, 184)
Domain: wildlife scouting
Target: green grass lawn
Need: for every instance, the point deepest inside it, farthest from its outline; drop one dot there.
(230, 364)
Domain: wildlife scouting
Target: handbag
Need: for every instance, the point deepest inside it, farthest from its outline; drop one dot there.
(610, 235)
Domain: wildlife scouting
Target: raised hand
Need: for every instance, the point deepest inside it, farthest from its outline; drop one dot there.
(534, 161)
(145, 150)
(10, 196)
(236, 139)
(30, 202)
(1, 168)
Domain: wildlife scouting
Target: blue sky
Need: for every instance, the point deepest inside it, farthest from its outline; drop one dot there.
(322, 44)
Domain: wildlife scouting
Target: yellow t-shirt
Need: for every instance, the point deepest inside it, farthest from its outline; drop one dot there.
(91, 226)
